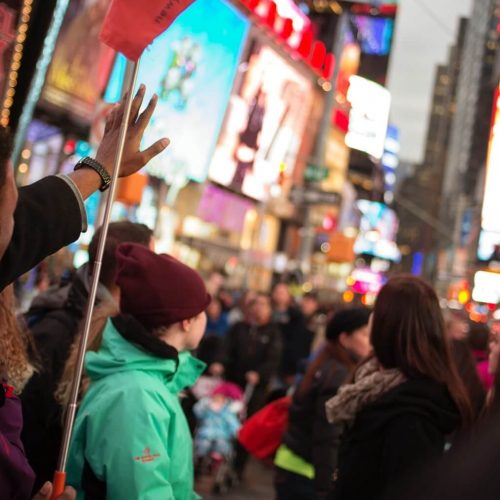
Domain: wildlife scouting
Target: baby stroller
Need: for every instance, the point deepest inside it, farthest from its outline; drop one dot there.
(219, 415)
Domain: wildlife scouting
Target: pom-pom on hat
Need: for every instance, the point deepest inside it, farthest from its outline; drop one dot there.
(347, 321)
(158, 290)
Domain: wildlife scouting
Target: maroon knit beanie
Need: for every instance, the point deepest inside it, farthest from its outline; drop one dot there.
(158, 290)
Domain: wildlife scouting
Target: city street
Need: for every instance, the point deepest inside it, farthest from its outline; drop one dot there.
(258, 485)
(249, 249)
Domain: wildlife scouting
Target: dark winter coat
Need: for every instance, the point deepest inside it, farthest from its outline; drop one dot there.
(309, 434)
(297, 340)
(47, 218)
(54, 326)
(252, 348)
(392, 438)
(467, 370)
(469, 471)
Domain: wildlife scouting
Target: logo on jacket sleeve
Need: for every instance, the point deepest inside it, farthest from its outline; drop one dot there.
(147, 456)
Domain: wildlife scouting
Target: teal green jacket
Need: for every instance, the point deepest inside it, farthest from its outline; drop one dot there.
(130, 426)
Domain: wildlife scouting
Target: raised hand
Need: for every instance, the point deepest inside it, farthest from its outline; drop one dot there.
(133, 158)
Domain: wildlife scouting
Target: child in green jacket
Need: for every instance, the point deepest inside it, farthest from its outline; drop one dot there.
(131, 438)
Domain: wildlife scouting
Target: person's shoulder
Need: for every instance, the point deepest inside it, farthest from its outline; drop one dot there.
(239, 326)
(294, 313)
(330, 376)
(128, 389)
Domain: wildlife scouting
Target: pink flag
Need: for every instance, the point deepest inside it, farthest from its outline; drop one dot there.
(131, 25)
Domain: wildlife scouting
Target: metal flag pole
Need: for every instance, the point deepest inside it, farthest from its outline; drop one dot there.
(60, 474)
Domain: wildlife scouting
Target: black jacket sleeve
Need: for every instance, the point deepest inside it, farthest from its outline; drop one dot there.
(228, 355)
(326, 436)
(273, 359)
(47, 218)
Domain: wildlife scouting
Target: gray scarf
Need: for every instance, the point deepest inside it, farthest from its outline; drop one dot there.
(370, 382)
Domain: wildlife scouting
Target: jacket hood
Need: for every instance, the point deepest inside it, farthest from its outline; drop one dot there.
(52, 298)
(118, 355)
(73, 294)
(421, 397)
(80, 288)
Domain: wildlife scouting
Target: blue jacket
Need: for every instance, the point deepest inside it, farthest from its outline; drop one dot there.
(212, 424)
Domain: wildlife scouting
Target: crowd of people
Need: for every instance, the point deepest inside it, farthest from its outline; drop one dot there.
(395, 402)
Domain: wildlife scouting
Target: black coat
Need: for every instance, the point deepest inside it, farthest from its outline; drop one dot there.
(469, 471)
(47, 218)
(297, 340)
(309, 434)
(53, 333)
(392, 438)
(252, 348)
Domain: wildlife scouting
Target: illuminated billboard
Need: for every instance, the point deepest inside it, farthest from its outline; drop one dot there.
(374, 34)
(489, 238)
(369, 116)
(491, 205)
(486, 287)
(377, 231)
(81, 63)
(488, 246)
(191, 67)
(264, 124)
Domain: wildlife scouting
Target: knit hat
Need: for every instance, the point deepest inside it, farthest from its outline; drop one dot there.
(229, 391)
(158, 290)
(347, 321)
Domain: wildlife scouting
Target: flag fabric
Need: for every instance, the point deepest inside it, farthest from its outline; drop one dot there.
(131, 25)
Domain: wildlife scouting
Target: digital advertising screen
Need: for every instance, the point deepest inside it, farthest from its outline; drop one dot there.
(489, 238)
(264, 124)
(81, 64)
(369, 116)
(192, 67)
(374, 34)
(486, 287)
(489, 246)
(377, 231)
(490, 220)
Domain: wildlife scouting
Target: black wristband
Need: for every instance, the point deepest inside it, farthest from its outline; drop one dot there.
(88, 162)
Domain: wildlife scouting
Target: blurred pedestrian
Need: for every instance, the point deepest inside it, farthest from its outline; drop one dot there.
(252, 358)
(479, 338)
(493, 399)
(214, 282)
(315, 318)
(404, 401)
(55, 317)
(239, 312)
(211, 348)
(456, 327)
(217, 323)
(253, 352)
(457, 332)
(226, 299)
(308, 455)
(297, 338)
(218, 423)
(131, 439)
